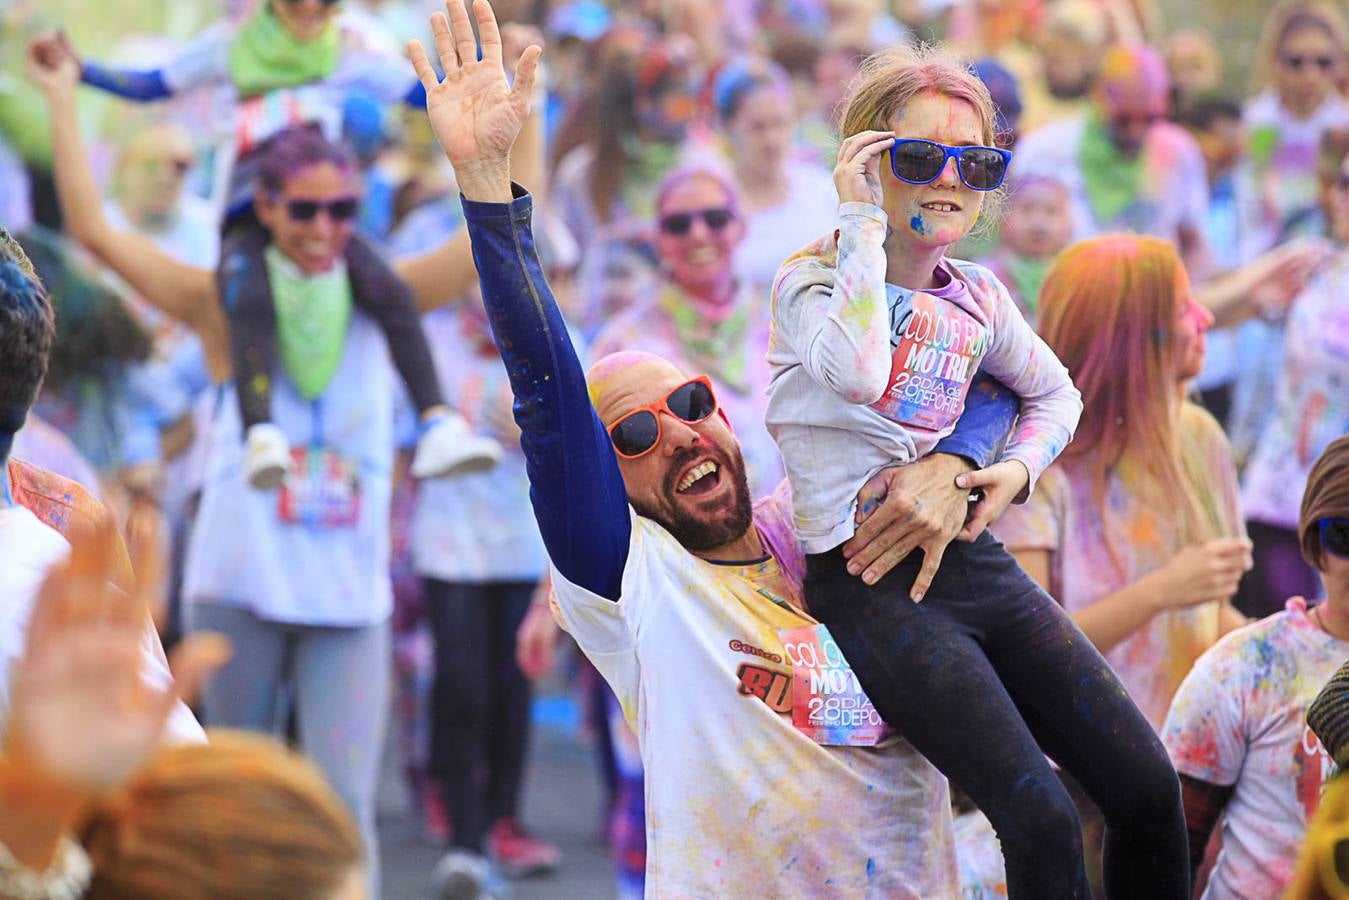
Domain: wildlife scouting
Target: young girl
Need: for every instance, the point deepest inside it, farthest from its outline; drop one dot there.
(876, 335)
(290, 63)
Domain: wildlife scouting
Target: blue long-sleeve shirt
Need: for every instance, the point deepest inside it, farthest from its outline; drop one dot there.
(575, 486)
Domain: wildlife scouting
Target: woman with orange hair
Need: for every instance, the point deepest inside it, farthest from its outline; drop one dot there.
(1136, 529)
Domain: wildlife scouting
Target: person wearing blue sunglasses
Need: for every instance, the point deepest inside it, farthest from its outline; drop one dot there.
(876, 336)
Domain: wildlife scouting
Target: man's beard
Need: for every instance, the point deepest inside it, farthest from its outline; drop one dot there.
(701, 532)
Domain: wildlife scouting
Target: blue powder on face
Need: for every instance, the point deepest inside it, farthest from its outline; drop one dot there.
(916, 225)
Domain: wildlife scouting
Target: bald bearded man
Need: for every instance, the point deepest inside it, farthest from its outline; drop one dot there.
(768, 771)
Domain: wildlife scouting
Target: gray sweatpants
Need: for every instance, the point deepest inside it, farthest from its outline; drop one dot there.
(338, 679)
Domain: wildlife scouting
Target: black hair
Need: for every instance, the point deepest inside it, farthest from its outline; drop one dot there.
(27, 331)
(1202, 111)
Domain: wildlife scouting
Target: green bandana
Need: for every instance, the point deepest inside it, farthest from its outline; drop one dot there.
(265, 56)
(1110, 179)
(719, 349)
(1027, 276)
(312, 313)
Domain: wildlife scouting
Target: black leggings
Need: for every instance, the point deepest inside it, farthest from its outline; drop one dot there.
(480, 703)
(376, 289)
(984, 677)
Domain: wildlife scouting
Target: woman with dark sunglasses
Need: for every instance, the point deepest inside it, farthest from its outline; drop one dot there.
(1238, 728)
(290, 64)
(1300, 59)
(703, 315)
(297, 578)
(876, 335)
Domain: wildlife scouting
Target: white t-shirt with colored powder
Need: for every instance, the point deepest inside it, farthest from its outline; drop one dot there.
(739, 803)
(361, 68)
(28, 549)
(1240, 718)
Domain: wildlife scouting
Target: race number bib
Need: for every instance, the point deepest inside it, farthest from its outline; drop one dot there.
(828, 705)
(938, 348)
(322, 490)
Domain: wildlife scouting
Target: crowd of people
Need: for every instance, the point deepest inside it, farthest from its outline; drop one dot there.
(928, 419)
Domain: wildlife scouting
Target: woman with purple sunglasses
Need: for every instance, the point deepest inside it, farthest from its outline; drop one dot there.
(290, 63)
(876, 336)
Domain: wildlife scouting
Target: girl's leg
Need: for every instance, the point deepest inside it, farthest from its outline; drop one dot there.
(342, 697)
(460, 706)
(378, 292)
(246, 294)
(242, 694)
(508, 729)
(1084, 719)
(925, 672)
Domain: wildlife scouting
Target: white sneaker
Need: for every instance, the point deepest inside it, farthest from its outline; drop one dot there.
(266, 456)
(447, 447)
(464, 875)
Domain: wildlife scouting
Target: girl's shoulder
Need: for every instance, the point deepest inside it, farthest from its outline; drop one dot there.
(983, 282)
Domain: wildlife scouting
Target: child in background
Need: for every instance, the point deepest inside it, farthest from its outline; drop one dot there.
(290, 63)
(1038, 224)
(876, 337)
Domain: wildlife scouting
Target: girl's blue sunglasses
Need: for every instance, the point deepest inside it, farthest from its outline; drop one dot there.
(920, 162)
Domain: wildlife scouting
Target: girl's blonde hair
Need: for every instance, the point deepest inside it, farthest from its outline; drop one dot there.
(1108, 309)
(239, 817)
(1286, 18)
(889, 80)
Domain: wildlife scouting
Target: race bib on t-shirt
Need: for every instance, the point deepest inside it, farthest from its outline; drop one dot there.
(828, 704)
(938, 347)
(322, 490)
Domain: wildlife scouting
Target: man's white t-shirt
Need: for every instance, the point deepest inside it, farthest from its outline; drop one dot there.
(738, 802)
(1240, 718)
(28, 548)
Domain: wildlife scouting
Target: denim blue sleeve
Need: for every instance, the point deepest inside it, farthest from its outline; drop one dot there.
(982, 430)
(142, 87)
(574, 482)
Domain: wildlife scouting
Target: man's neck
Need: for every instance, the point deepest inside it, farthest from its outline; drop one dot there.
(749, 546)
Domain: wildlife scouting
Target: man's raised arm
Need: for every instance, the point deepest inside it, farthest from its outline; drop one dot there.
(575, 486)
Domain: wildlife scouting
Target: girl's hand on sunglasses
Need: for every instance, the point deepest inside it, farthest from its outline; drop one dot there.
(858, 173)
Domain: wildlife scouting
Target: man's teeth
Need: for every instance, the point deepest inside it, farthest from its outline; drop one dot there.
(694, 474)
(941, 207)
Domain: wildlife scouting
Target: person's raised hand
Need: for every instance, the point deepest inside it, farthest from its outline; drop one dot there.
(82, 713)
(906, 508)
(999, 484)
(857, 176)
(52, 65)
(1279, 276)
(475, 114)
(1202, 573)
